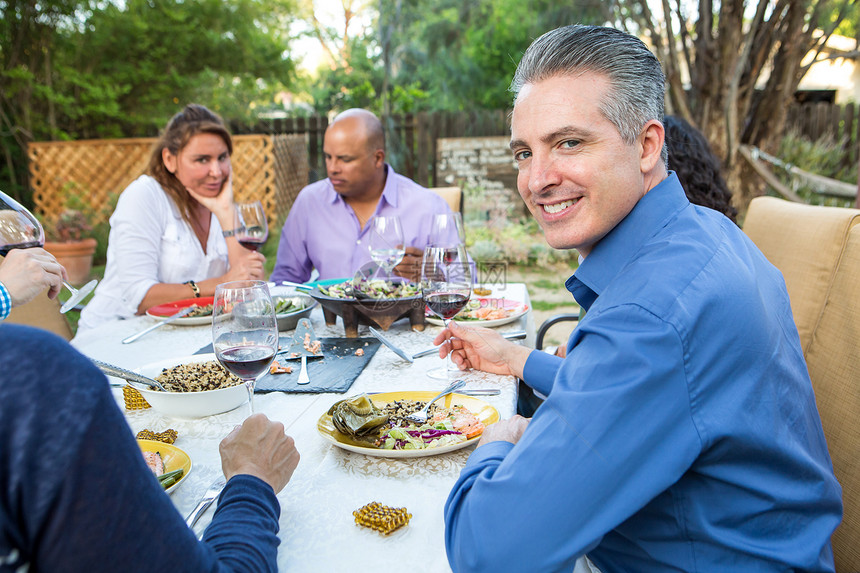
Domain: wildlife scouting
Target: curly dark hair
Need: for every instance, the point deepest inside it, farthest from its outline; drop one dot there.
(698, 169)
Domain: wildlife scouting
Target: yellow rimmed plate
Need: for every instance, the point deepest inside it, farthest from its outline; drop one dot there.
(173, 458)
(486, 413)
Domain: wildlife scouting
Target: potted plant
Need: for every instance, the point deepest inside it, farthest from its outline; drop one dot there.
(67, 237)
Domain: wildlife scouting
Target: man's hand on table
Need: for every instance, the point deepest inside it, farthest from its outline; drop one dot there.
(410, 266)
(259, 447)
(509, 430)
(483, 349)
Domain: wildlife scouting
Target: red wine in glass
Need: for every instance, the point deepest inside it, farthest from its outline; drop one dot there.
(4, 250)
(250, 226)
(446, 285)
(246, 361)
(244, 330)
(446, 305)
(252, 243)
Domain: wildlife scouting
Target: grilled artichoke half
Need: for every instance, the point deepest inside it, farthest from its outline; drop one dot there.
(356, 416)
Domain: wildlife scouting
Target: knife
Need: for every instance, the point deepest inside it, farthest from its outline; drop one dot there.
(513, 335)
(390, 345)
(170, 318)
(211, 495)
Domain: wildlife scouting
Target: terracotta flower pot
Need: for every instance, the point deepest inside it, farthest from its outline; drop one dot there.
(76, 256)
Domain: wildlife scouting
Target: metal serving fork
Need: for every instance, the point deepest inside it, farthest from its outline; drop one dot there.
(420, 417)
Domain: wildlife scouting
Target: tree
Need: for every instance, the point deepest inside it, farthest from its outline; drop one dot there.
(463, 54)
(81, 70)
(744, 63)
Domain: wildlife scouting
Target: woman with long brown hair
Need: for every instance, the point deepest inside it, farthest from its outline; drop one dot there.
(171, 233)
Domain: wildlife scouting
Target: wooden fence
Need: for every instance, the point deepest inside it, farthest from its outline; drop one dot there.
(410, 138)
(272, 169)
(274, 159)
(840, 122)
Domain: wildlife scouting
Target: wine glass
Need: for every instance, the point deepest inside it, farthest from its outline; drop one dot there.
(19, 229)
(244, 330)
(446, 229)
(385, 242)
(249, 223)
(446, 284)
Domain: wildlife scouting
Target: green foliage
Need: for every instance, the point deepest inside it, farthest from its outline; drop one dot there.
(823, 157)
(80, 69)
(544, 305)
(515, 242)
(463, 54)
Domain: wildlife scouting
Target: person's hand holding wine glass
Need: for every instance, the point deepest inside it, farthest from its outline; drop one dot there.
(446, 285)
(19, 229)
(244, 330)
(251, 227)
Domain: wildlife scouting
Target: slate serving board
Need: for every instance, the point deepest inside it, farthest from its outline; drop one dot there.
(334, 372)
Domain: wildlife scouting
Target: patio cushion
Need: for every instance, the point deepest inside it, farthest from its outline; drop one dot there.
(804, 242)
(833, 359)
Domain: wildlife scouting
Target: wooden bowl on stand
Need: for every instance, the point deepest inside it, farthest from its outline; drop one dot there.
(377, 312)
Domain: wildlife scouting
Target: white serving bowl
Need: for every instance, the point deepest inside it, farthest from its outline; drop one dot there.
(190, 404)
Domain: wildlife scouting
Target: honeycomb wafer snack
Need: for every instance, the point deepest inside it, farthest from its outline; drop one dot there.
(381, 518)
(168, 436)
(133, 399)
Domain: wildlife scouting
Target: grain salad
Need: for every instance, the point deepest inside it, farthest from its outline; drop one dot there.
(197, 377)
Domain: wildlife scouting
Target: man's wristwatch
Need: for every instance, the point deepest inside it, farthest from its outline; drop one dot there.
(194, 287)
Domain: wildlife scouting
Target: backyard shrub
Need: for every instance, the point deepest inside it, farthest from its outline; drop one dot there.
(826, 157)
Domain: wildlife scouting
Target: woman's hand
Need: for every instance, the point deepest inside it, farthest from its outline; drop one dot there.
(221, 205)
(245, 264)
(482, 349)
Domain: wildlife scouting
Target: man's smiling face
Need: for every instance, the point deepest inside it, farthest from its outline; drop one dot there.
(576, 174)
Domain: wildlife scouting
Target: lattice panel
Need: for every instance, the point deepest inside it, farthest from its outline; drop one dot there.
(97, 171)
(291, 170)
(91, 170)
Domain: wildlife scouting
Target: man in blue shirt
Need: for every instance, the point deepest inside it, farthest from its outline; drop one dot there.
(680, 433)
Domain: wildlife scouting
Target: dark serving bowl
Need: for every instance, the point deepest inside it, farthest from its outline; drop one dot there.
(377, 312)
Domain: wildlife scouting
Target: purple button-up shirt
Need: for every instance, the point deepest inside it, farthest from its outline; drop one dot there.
(322, 231)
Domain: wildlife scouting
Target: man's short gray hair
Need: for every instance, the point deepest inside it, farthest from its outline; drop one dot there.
(637, 80)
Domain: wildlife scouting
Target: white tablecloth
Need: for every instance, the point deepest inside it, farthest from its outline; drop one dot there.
(318, 532)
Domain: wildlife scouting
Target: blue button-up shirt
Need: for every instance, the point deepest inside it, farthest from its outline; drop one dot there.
(679, 434)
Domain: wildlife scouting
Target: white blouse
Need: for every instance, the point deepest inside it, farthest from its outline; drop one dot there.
(150, 243)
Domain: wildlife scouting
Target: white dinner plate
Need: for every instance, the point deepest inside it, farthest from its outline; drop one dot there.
(516, 309)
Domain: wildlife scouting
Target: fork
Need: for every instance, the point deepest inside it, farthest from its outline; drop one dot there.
(420, 417)
(211, 495)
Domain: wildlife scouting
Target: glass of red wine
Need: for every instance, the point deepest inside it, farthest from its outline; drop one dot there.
(446, 285)
(251, 228)
(19, 229)
(244, 330)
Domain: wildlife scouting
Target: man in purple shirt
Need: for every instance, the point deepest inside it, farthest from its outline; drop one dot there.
(327, 226)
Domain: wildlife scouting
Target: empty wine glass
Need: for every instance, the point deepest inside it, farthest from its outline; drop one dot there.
(244, 330)
(385, 242)
(446, 229)
(250, 225)
(19, 229)
(446, 285)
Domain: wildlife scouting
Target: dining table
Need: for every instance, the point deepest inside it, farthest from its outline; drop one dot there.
(317, 528)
